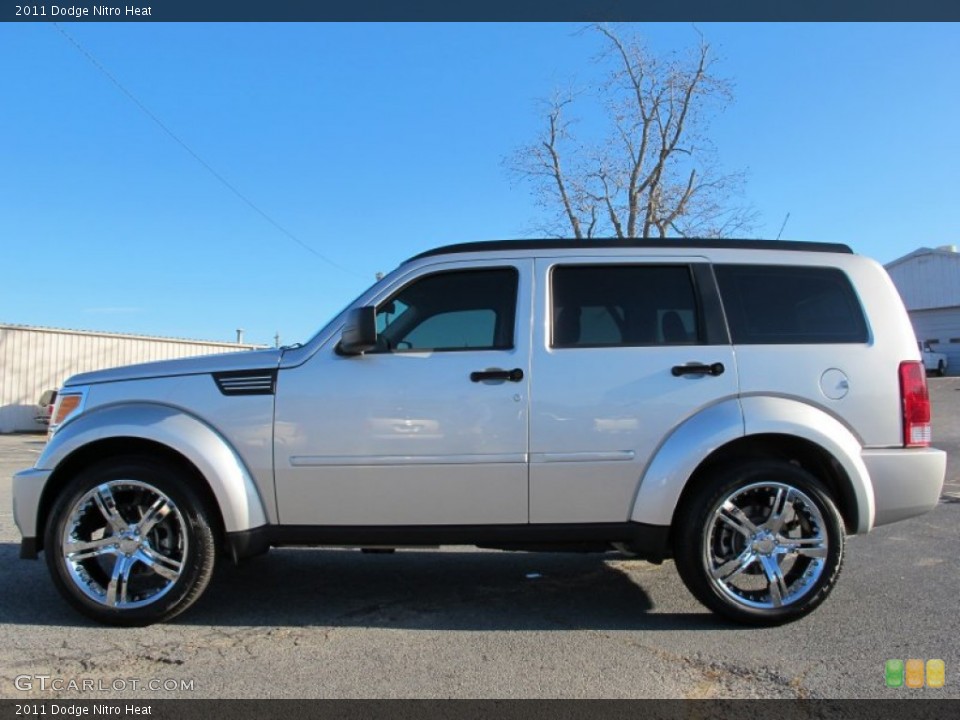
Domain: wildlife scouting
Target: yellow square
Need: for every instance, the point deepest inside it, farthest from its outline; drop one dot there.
(914, 673)
(936, 673)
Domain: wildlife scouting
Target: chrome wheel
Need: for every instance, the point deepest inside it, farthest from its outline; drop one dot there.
(124, 544)
(128, 551)
(765, 545)
(760, 541)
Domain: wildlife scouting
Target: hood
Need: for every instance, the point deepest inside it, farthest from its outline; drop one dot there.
(223, 362)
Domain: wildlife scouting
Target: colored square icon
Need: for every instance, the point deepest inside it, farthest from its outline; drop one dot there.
(893, 672)
(914, 673)
(936, 673)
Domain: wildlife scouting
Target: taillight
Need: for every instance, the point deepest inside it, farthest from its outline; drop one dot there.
(916, 404)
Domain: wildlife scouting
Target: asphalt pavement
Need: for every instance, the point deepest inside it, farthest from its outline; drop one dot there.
(465, 623)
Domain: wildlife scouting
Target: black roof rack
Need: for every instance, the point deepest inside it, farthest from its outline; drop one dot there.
(669, 243)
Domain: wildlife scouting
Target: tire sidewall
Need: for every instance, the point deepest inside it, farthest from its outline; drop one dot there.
(697, 514)
(197, 563)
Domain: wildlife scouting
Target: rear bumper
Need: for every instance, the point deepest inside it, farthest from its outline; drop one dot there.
(906, 482)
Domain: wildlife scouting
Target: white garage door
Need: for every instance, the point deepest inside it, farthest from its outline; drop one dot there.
(942, 329)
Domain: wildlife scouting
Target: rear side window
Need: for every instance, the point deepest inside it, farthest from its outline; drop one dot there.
(623, 305)
(777, 305)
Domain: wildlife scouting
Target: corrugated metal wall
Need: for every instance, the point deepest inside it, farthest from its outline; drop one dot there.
(927, 279)
(929, 283)
(36, 359)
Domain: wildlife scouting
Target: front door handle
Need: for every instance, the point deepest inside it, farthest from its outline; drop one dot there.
(515, 375)
(698, 369)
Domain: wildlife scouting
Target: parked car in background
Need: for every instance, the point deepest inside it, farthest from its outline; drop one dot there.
(45, 407)
(934, 362)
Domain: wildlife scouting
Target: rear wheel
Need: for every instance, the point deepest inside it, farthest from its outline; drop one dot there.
(762, 545)
(129, 542)
(941, 369)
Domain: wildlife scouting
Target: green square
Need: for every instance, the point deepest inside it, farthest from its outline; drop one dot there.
(893, 671)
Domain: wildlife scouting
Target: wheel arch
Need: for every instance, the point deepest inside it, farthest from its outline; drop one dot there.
(784, 448)
(91, 453)
(220, 476)
(759, 427)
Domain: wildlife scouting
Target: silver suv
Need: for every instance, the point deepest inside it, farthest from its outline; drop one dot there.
(740, 407)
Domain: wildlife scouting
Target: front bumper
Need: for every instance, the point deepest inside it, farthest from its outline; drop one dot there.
(906, 482)
(27, 488)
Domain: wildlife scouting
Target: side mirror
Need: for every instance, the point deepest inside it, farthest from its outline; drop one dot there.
(360, 331)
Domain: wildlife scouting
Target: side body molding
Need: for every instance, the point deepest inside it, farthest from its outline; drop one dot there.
(228, 477)
(693, 441)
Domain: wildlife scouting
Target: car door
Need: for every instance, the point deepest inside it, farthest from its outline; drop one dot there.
(628, 350)
(430, 428)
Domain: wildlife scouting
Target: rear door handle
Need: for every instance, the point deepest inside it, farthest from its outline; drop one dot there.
(515, 375)
(698, 369)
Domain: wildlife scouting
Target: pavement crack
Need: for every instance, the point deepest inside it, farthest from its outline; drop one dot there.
(162, 660)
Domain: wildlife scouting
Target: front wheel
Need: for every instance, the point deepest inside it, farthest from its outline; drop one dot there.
(762, 545)
(129, 543)
(941, 369)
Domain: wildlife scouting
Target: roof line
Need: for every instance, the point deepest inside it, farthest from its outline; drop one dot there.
(651, 243)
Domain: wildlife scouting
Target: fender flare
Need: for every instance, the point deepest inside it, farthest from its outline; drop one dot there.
(675, 461)
(695, 440)
(786, 416)
(226, 474)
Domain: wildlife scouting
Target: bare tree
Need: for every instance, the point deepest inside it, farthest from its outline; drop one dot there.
(654, 172)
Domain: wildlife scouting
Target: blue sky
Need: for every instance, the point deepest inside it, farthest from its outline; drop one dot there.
(373, 142)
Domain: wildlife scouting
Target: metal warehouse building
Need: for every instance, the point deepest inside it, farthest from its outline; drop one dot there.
(929, 283)
(35, 359)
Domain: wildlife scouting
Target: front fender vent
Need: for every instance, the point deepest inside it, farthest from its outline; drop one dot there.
(247, 382)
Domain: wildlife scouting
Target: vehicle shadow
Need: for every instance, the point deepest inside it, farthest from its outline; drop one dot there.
(448, 590)
(27, 596)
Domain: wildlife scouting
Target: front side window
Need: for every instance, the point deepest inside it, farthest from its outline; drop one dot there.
(623, 305)
(456, 310)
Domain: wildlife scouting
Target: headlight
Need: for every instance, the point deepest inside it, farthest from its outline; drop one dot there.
(69, 403)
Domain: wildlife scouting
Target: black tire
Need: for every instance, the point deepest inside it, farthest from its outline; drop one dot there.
(941, 370)
(736, 559)
(142, 546)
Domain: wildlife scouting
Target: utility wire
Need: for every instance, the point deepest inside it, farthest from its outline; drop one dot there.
(173, 136)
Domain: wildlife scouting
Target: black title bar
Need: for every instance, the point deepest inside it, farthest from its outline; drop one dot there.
(114, 707)
(484, 10)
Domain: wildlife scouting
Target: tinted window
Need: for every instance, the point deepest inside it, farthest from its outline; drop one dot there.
(786, 305)
(459, 310)
(615, 305)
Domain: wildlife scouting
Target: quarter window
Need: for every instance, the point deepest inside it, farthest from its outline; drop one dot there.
(456, 310)
(624, 305)
(768, 304)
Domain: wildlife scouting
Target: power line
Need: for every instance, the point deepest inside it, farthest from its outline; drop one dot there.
(173, 136)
